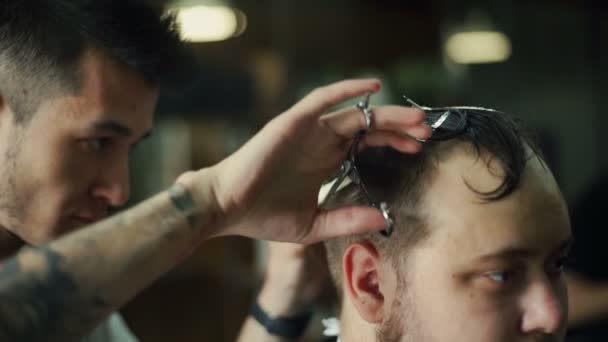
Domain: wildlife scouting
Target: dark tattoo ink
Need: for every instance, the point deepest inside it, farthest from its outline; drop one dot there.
(182, 201)
(39, 305)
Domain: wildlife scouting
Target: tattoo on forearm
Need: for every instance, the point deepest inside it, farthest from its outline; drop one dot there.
(58, 293)
(37, 301)
(182, 200)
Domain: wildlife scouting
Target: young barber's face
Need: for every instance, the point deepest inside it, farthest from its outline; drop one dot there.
(69, 165)
(490, 271)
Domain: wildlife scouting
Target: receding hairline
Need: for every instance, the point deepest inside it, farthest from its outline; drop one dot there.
(420, 214)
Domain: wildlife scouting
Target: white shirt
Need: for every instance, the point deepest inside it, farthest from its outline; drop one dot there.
(332, 327)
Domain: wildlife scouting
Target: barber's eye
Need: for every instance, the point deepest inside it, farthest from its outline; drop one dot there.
(98, 144)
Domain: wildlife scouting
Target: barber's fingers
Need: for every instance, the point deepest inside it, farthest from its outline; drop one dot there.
(400, 142)
(344, 221)
(324, 98)
(406, 120)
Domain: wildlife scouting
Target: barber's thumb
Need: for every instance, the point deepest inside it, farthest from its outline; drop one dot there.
(345, 221)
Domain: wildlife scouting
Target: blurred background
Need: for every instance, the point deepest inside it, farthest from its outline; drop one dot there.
(543, 60)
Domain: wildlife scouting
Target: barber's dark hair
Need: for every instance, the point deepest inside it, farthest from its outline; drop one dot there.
(399, 179)
(42, 42)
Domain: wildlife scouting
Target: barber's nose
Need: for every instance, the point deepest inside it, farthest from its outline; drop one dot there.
(113, 185)
(544, 309)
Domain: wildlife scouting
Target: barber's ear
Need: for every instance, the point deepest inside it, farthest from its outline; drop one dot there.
(5, 110)
(361, 264)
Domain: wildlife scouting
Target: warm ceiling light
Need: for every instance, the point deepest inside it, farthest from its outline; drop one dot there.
(209, 23)
(478, 47)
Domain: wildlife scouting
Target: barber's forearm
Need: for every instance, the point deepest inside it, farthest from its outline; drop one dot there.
(59, 292)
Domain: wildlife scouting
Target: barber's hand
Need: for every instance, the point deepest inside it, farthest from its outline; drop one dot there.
(268, 188)
(296, 275)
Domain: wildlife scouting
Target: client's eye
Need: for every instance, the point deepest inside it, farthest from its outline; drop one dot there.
(499, 276)
(504, 279)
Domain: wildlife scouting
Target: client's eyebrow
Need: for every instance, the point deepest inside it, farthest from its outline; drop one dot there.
(524, 253)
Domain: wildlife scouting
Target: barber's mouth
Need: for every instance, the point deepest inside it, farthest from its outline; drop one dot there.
(85, 220)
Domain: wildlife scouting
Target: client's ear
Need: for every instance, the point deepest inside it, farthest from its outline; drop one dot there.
(361, 266)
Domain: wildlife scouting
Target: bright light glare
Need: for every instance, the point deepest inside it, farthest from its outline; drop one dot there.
(478, 47)
(207, 23)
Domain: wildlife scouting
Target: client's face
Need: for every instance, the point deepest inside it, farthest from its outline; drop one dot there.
(490, 271)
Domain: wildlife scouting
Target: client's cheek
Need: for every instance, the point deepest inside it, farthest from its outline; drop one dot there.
(485, 294)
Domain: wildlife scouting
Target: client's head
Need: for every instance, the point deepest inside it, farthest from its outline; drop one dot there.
(480, 236)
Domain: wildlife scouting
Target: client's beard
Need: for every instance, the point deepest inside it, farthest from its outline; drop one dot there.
(403, 324)
(392, 330)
